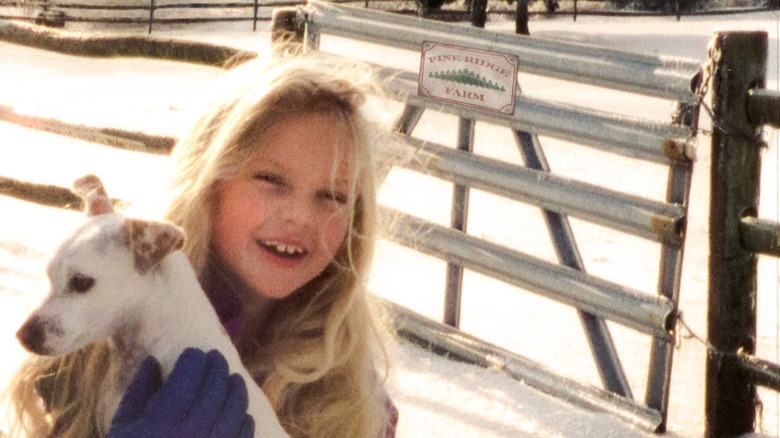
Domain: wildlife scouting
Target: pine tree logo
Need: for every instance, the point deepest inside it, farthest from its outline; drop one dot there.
(466, 77)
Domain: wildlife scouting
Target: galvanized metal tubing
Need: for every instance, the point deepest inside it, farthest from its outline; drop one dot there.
(653, 220)
(668, 144)
(462, 346)
(632, 137)
(643, 312)
(602, 346)
(665, 77)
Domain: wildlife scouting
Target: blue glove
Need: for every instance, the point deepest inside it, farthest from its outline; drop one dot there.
(200, 399)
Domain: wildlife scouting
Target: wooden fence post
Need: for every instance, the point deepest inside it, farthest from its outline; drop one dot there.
(521, 18)
(740, 64)
(479, 13)
(286, 34)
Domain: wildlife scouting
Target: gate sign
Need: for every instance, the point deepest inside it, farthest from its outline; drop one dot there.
(469, 77)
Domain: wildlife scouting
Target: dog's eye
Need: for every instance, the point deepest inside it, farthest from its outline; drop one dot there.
(80, 283)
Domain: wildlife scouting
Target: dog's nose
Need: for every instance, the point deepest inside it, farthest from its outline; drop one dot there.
(32, 335)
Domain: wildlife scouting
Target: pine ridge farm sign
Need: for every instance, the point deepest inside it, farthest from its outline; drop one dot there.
(469, 77)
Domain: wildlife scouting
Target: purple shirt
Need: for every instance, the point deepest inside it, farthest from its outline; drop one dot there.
(226, 304)
(231, 315)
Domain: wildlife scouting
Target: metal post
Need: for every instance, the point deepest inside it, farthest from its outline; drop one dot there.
(151, 15)
(678, 192)
(740, 64)
(574, 16)
(597, 332)
(460, 198)
(254, 17)
(458, 221)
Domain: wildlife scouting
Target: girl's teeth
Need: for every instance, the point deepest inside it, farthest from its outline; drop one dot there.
(291, 250)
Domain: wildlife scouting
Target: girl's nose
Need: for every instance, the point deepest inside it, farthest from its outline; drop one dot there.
(297, 210)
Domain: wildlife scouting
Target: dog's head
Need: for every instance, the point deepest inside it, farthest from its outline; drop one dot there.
(99, 276)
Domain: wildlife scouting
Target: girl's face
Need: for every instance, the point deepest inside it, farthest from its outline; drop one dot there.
(280, 221)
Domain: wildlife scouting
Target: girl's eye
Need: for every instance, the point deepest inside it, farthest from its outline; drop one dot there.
(335, 197)
(268, 178)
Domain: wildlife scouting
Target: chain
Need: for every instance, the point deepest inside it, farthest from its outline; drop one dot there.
(700, 93)
(707, 72)
(711, 350)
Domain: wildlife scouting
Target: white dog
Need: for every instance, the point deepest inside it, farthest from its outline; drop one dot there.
(124, 280)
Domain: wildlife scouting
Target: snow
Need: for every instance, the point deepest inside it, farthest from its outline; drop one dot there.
(436, 397)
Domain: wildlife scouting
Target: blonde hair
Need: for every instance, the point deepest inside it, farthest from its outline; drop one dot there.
(320, 360)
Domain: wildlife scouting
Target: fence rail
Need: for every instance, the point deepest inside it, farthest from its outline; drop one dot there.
(51, 13)
(652, 220)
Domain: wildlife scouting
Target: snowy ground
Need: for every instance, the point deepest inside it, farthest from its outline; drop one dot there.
(436, 397)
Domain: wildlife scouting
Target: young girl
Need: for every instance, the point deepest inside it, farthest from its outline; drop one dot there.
(275, 189)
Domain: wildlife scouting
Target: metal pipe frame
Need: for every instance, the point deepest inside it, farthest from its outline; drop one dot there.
(462, 346)
(653, 220)
(597, 332)
(595, 299)
(642, 312)
(656, 76)
(631, 137)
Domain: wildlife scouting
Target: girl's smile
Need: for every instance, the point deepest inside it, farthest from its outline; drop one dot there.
(280, 220)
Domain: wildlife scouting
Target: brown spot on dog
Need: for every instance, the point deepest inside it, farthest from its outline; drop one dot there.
(90, 187)
(151, 241)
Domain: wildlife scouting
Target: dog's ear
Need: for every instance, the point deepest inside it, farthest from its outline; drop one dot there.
(91, 189)
(151, 241)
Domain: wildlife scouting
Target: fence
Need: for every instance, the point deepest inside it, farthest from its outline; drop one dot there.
(596, 300)
(740, 106)
(54, 13)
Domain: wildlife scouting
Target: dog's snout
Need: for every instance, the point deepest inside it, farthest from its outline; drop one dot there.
(32, 335)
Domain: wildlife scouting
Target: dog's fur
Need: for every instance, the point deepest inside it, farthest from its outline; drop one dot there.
(124, 280)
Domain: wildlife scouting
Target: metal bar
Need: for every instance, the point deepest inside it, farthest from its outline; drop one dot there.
(151, 16)
(740, 64)
(763, 107)
(650, 75)
(458, 221)
(760, 235)
(602, 347)
(642, 312)
(670, 272)
(456, 344)
(652, 220)
(631, 137)
(312, 32)
(408, 118)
